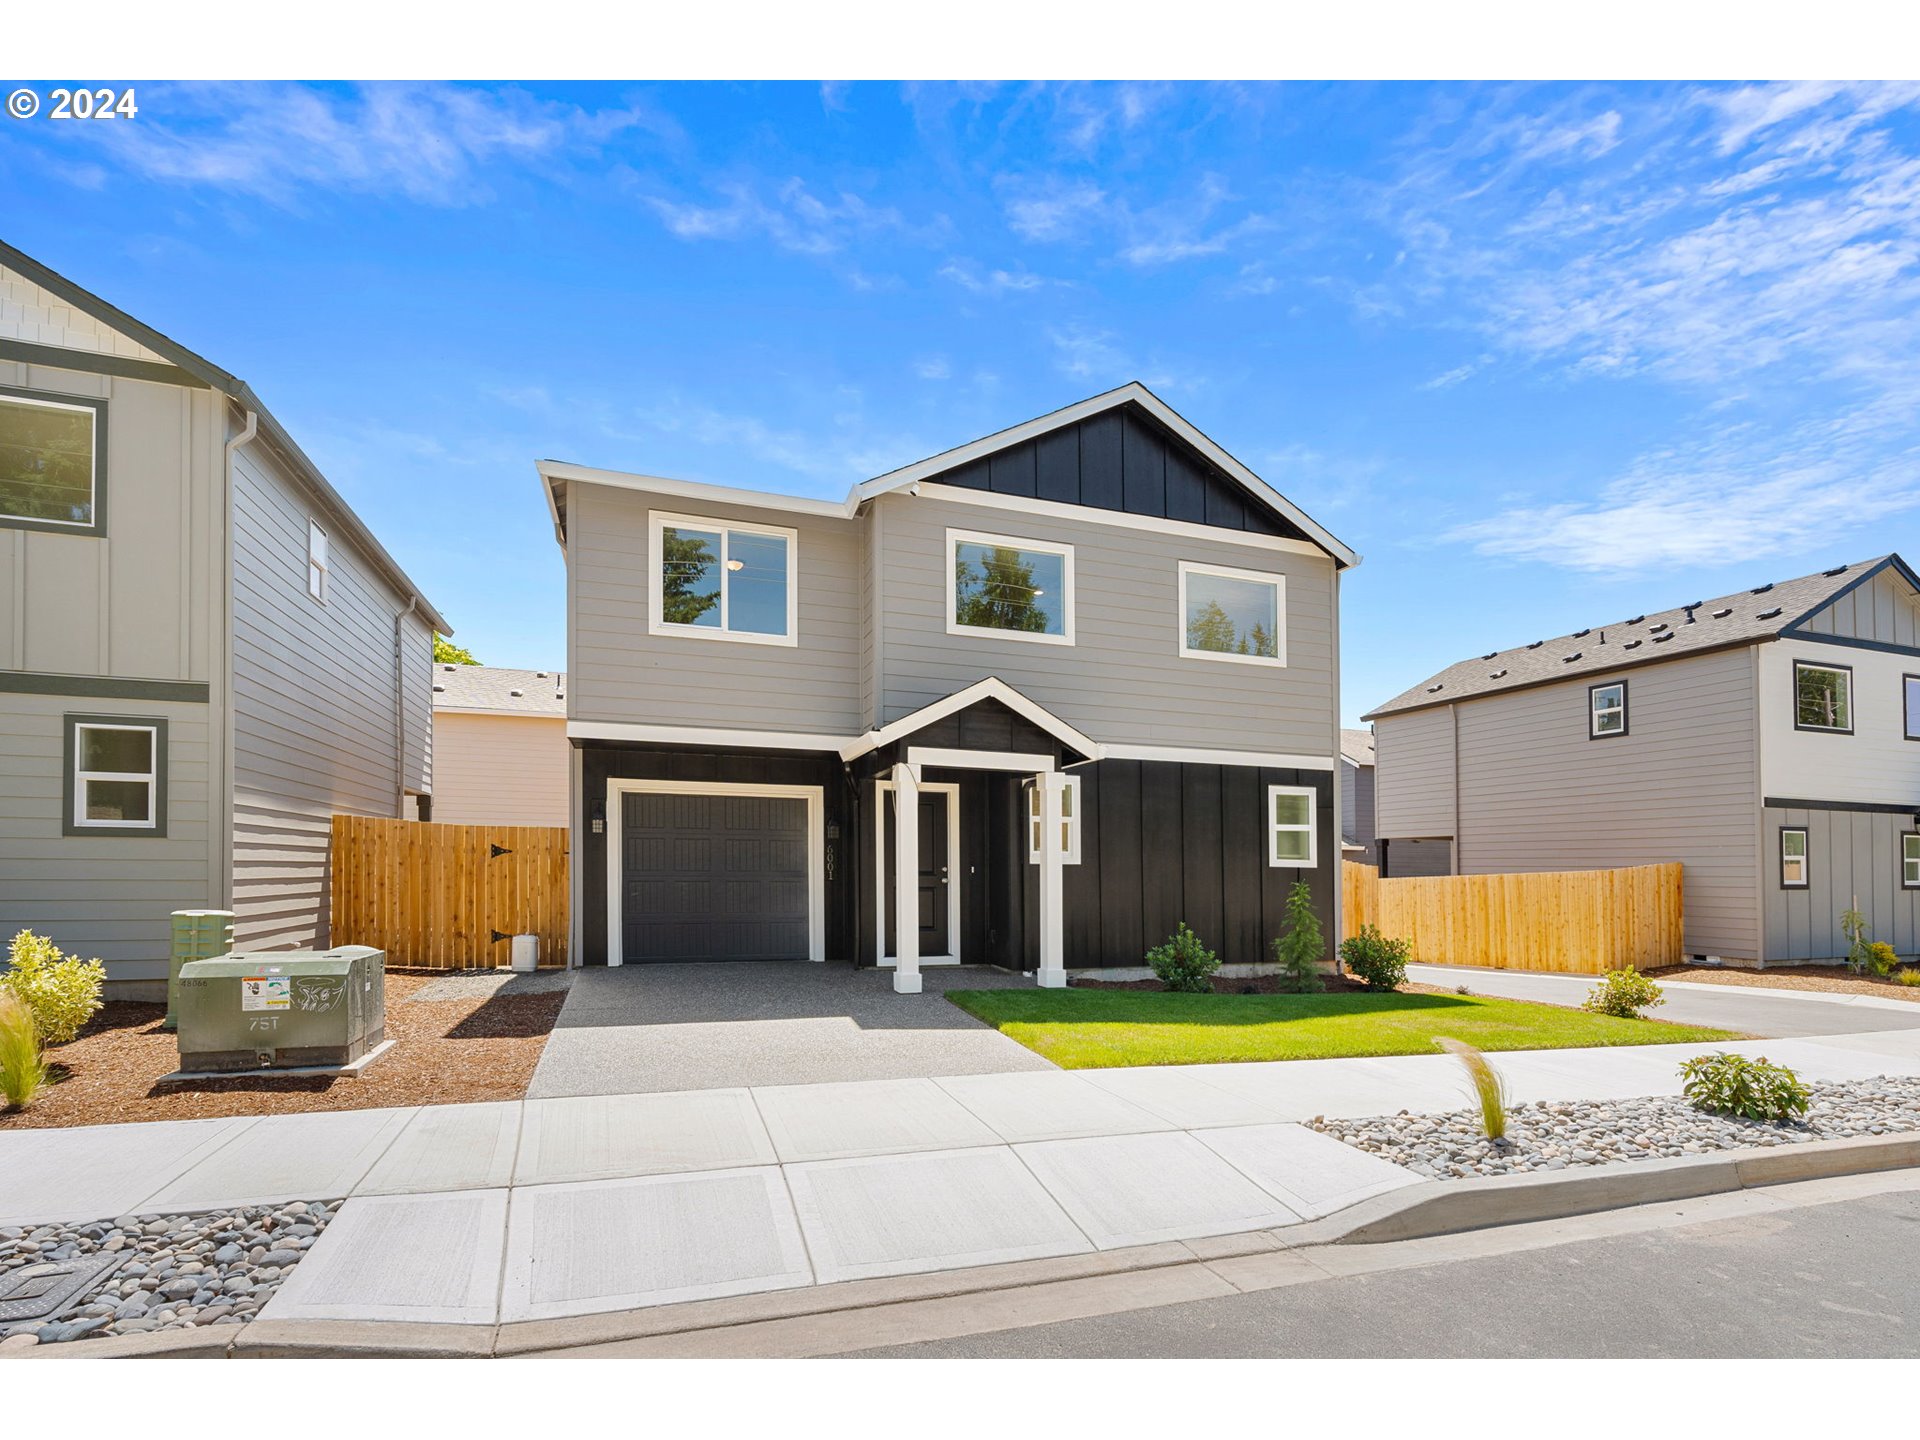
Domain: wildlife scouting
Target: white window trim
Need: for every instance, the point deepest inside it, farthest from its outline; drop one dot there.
(1311, 828)
(1805, 857)
(1594, 710)
(659, 520)
(1070, 851)
(319, 561)
(1909, 840)
(1226, 572)
(150, 776)
(92, 522)
(956, 538)
(882, 899)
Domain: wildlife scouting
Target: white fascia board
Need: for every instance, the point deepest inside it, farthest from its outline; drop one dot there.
(991, 688)
(1012, 760)
(552, 715)
(1118, 519)
(557, 470)
(1180, 755)
(703, 735)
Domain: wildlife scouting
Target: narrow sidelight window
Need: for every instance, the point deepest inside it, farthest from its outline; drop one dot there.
(1290, 835)
(1910, 860)
(1910, 687)
(1010, 588)
(1069, 822)
(722, 580)
(1793, 857)
(1823, 697)
(1606, 710)
(1232, 614)
(115, 775)
(51, 462)
(317, 567)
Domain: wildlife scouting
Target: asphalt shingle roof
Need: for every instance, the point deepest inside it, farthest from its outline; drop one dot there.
(1357, 746)
(1743, 617)
(493, 687)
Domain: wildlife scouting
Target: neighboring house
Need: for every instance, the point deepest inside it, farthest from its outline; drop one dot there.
(1356, 796)
(1094, 657)
(203, 652)
(1763, 739)
(499, 746)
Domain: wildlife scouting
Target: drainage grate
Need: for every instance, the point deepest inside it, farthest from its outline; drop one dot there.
(41, 1292)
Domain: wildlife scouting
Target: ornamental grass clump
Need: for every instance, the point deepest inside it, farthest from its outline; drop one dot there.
(61, 992)
(1488, 1088)
(1729, 1084)
(1623, 993)
(23, 1069)
(1183, 963)
(1907, 977)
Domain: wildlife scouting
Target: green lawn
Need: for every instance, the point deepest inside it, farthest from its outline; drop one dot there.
(1093, 1029)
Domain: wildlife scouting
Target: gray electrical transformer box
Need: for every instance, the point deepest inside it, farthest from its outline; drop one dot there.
(283, 1008)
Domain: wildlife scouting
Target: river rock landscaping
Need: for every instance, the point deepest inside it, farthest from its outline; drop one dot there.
(1554, 1135)
(213, 1268)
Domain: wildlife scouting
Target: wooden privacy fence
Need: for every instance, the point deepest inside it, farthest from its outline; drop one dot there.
(1569, 920)
(449, 897)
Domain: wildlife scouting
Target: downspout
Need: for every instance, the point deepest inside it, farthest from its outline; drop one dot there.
(400, 708)
(225, 899)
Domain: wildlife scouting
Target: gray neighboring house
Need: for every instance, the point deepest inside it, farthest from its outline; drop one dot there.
(1356, 797)
(1765, 739)
(1091, 659)
(204, 653)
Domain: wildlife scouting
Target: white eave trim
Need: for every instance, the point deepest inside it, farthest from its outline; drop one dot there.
(559, 470)
(991, 688)
(557, 716)
(703, 735)
(1118, 519)
(1180, 755)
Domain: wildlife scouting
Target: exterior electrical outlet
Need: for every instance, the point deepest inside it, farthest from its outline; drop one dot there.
(282, 1009)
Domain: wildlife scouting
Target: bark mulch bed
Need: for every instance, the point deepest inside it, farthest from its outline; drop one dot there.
(479, 1047)
(1831, 978)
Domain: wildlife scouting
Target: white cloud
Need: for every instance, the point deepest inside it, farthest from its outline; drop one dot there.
(852, 450)
(933, 367)
(1051, 209)
(969, 276)
(792, 217)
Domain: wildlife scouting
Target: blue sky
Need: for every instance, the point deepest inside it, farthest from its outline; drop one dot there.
(1546, 355)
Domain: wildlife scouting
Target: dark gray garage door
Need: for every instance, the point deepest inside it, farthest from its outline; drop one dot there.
(713, 877)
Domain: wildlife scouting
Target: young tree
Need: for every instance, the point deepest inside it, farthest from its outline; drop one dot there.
(1301, 948)
(1212, 629)
(445, 652)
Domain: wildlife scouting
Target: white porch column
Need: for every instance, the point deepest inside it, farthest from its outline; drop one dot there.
(906, 879)
(1049, 785)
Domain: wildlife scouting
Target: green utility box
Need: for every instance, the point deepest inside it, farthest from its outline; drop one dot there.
(282, 1009)
(197, 935)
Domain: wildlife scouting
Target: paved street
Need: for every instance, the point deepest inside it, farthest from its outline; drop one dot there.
(1840, 1278)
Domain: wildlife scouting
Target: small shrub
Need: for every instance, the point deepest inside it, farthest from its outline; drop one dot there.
(1907, 977)
(1881, 959)
(1183, 963)
(1375, 960)
(61, 992)
(1300, 948)
(1729, 1084)
(1624, 993)
(1488, 1088)
(23, 1070)
(1853, 925)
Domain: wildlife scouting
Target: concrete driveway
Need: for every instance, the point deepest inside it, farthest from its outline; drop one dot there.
(1769, 1014)
(649, 1028)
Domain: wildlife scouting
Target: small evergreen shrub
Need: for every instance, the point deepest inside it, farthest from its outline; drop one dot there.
(23, 1070)
(1376, 961)
(1183, 963)
(1729, 1084)
(1623, 993)
(1300, 948)
(1881, 959)
(61, 992)
(1488, 1086)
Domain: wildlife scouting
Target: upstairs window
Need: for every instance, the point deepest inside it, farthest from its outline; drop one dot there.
(51, 462)
(1606, 710)
(1910, 686)
(1822, 697)
(115, 775)
(1290, 837)
(1069, 822)
(722, 580)
(317, 571)
(1232, 614)
(1009, 588)
(1910, 860)
(1793, 857)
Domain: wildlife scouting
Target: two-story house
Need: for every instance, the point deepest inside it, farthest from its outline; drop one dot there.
(1763, 739)
(1028, 703)
(204, 653)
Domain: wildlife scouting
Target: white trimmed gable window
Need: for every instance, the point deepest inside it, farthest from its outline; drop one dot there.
(1793, 857)
(1232, 614)
(1823, 697)
(1069, 821)
(722, 579)
(1606, 710)
(50, 461)
(1290, 830)
(1010, 588)
(318, 570)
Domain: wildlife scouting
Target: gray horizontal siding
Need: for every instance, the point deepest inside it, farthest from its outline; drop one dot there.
(1123, 681)
(619, 673)
(1413, 774)
(1851, 855)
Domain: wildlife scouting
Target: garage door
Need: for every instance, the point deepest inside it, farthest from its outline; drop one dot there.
(713, 877)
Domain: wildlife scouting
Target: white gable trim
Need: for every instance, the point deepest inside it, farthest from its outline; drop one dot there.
(991, 688)
(559, 470)
(1120, 519)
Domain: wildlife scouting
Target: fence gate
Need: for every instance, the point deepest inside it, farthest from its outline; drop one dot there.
(449, 897)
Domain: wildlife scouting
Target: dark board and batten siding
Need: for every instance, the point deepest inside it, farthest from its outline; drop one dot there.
(1121, 460)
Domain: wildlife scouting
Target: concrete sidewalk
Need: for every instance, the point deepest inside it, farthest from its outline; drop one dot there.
(481, 1214)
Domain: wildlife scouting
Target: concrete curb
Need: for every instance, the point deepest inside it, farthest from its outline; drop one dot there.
(1438, 1207)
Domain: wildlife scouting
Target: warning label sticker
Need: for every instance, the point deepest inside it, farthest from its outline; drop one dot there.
(264, 992)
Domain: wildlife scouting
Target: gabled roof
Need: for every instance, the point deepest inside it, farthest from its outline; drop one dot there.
(1356, 746)
(237, 390)
(991, 688)
(497, 688)
(1761, 613)
(555, 473)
